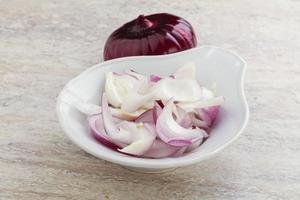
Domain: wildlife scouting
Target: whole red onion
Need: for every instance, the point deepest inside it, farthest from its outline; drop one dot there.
(150, 35)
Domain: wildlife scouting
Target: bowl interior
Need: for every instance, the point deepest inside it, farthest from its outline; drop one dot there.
(214, 65)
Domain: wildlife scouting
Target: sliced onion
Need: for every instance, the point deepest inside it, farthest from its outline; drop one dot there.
(111, 129)
(177, 89)
(159, 149)
(115, 91)
(186, 71)
(172, 133)
(117, 87)
(142, 98)
(145, 136)
(98, 132)
(142, 126)
(139, 138)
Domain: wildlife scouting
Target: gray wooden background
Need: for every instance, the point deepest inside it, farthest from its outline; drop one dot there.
(43, 44)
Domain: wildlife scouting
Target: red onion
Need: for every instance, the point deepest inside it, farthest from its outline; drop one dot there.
(155, 34)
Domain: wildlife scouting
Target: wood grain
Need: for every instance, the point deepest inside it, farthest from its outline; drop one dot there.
(43, 44)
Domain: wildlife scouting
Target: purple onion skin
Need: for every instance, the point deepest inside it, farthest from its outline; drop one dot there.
(155, 34)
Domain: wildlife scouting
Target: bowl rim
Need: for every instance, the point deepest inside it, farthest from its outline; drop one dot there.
(144, 162)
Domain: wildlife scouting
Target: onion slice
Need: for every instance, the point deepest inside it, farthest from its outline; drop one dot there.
(111, 129)
(115, 88)
(118, 86)
(172, 133)
(177, 89)
(98, 132)
(145, 136)
(159, 149)
(139, 138)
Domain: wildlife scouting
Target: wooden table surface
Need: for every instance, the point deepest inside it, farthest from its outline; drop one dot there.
(43, 44)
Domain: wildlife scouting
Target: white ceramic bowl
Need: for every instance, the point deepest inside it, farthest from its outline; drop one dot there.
(223, 67)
